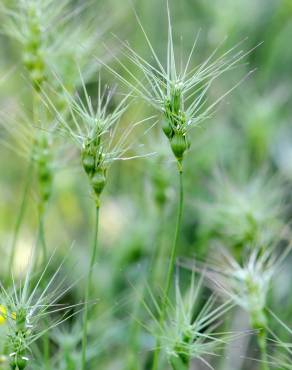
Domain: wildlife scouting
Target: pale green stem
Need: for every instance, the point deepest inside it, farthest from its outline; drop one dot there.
(262, 342)
(35, 108)
(87, 288)
(171, 264)
(132, 361)
(20, 214)
(178, 364)
(42, 237)
(41, 240)
(158, 256)
(175, 243)
(46, 347)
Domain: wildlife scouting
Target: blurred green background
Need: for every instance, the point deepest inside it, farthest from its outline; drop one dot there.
(250, 131)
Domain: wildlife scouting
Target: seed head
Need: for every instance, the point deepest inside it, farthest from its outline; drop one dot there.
(95, 131)
(27, 306)
(245, 210)
(53, 37)
(38, 145)
(187, 332)
(179, 95)
(247, 283)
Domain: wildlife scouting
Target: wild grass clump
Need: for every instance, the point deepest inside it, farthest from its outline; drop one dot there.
(244, 209)
(184, 276)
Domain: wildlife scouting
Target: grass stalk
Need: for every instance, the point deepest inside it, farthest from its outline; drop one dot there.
(262, 342)
(178, 364)
(175, 242)
(156, 277)
(20, 214)
(46, 349)
(159, 255)
(87, 288)
(35, 110)
(42, 238)
(171, 263)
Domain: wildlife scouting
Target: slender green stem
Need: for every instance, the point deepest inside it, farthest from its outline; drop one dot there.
(155, 275)
(41, 240)
(87, 288)
(42, 237)
(132, 360)
(171, 264)
(35, 109)
(158, 256)
(156, 356)
(175, 242)
(262, 342)
(46, 349)
(178, 364)
(20, 214)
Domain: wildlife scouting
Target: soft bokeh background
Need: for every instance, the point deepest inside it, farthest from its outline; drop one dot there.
(251, 131)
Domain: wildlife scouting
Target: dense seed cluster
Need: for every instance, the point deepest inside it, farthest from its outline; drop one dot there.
(174, 124)
(18, 340)
(93, 164)
(33, 54)
(43, 159)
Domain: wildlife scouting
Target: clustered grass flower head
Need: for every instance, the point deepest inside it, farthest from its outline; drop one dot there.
(247, 284)
(47, 30)
(188, 331)
(95, 130)
(26, 306)
(30, 23)
(180, 95)
(39, 146)
(52, 37)
(244, 209)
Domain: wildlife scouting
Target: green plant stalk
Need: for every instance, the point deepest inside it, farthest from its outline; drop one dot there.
(87, 288)
(175, 243)
(132, 362)
(35, 109)
(171, 262)
(262, 342)
(158, 256)
(42, 237)
(42, 240)
(20, 214)
(46, 348)
(47, 351)
(178, 364)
